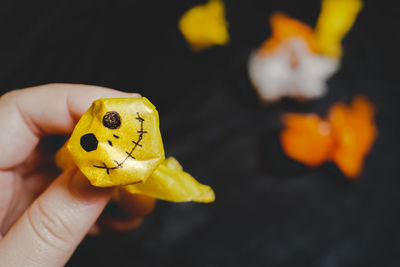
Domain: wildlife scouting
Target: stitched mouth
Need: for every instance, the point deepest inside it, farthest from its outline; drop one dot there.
(129, 154)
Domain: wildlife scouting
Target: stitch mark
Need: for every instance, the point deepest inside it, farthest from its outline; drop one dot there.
(105, 167)
(129, 154)
(116, 136)
(137, 143)
(109, 142)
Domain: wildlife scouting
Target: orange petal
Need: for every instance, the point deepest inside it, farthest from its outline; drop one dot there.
(283, 28)
(355, 131)
(108, 224)
(136, 204)
(307, 138)
(132, 209)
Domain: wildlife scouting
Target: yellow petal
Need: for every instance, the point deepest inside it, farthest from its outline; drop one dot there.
(335, 20)
(205, 25)
(170, 182)
(63, 158)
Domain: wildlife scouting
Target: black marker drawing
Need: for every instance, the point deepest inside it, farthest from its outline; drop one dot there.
(129, 154)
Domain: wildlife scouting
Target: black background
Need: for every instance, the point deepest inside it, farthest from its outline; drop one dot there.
(269, 211)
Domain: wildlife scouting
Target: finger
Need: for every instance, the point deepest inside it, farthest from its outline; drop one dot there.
(27, 114)
(22, 193)
(10, 186)
(42, 157)
(53, 226)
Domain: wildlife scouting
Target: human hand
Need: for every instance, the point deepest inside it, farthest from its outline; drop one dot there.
(43, 228)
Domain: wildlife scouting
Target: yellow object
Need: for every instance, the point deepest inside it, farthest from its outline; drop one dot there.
(204, 26)
(335, 20)
(117, 142)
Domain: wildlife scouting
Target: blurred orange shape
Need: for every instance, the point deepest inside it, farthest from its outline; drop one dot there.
(133, 207)
(307, 138)
(285, 28)
(136, 204)
(355, 131)
(345, 137)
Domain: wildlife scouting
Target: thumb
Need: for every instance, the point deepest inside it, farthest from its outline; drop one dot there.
(53, 226)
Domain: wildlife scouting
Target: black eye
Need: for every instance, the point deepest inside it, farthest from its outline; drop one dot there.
(89, 142)
(112, 120)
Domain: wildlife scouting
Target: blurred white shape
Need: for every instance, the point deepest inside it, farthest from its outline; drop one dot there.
(291, 70)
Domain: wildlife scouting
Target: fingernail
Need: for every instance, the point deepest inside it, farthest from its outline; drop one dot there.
(136, 95)
(81, 187)
(133, 95)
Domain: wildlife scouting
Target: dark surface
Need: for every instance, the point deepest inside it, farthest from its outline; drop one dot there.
(269, 211)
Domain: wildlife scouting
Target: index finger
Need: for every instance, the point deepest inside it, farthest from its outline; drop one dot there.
(27, 114)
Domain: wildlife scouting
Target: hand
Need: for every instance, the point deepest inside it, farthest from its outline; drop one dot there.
(44, 228)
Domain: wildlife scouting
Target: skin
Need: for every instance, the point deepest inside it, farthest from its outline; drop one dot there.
(44, 215)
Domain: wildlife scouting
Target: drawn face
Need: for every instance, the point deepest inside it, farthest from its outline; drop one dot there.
(117, 141)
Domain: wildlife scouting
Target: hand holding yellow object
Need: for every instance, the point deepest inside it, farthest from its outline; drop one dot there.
(117, 142)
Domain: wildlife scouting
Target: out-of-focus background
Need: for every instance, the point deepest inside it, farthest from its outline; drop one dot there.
(269, 211)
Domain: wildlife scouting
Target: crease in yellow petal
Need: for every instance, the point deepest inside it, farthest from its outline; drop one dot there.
(170, 182)
(205, 25)
(63, 158)
(335, 20)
